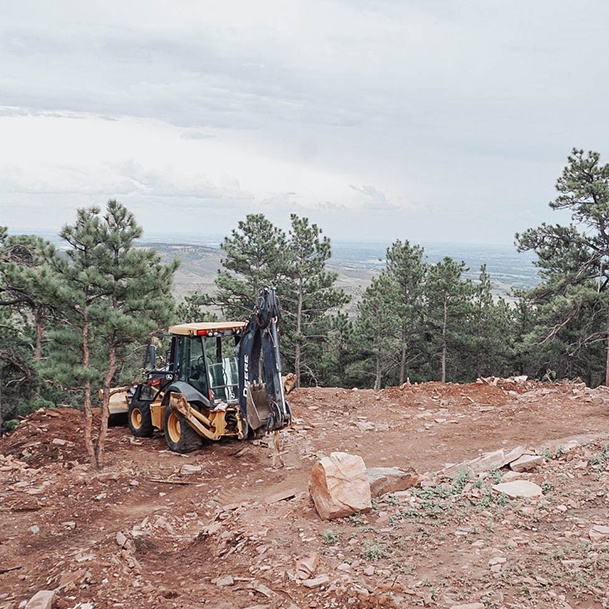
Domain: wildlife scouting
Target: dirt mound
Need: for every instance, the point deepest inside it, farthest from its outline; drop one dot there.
(236, 528)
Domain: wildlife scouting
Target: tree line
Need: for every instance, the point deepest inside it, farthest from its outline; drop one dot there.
(78, 318)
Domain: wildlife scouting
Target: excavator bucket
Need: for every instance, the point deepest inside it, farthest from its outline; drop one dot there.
(261, 395)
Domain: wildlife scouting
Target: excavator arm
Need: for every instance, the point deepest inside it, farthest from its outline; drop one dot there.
(261, 396)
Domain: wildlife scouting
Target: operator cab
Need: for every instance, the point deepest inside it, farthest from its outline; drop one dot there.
(205, 356)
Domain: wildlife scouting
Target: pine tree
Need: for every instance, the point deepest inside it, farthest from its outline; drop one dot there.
(308, 294)
(487, 341)
(119, 294)
(376, 330)
(573, 259)
(254, 258)
(406, 265)
(447, 310)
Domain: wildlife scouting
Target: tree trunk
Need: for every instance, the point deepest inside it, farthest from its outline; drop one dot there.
(607, 358)
(38, 321)
(403, 355)
(444, 325)
(378, 375)
(297, 342)
(88, 413)
(105, 408)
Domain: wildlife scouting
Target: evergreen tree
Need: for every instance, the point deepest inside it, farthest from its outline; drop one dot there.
(488, 343)
(308, 295)
(194, 308)
(28, 305)
(376, 330)
(406, 266)
(448, 309)
(119, 293)
(254, 258)
(27, 280)
(573, 260)
(337, 352)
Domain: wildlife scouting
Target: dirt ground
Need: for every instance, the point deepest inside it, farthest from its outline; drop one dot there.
(229, 526)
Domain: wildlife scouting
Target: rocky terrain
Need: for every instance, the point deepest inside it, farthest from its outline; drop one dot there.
(233, 525)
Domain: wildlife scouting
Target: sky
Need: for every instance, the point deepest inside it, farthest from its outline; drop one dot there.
(427, 120)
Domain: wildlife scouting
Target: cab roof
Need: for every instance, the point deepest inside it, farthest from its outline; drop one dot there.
(194, 329)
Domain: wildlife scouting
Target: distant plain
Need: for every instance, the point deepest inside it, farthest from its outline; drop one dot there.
(356, 263)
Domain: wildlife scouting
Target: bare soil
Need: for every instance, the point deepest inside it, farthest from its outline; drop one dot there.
(227, 526)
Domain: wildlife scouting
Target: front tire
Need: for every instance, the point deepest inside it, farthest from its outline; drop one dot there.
(179, 435)
(139, 419)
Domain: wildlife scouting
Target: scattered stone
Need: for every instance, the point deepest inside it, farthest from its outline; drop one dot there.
(306, 567)
(41, 600)
(519, 488)
(469, 606)
(34, 529)
(369, 571)
(226, 580)
(262, 589)
(187, 469)
(281, 496)
(339, 486)
(515, 453)
(385, 480)
(121, 539)
(598, 533)
(58, 442)
(320, 580)
(526, 463)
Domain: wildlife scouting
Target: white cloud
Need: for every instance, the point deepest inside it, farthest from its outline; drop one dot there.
(432, 111)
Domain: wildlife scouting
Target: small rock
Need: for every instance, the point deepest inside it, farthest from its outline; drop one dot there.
(121, 539)
(58, 442)
(41, 600)
(385, 480)
(598, 533)
(320, 580)
(306, 567)
(226, 580)
(469, 606)
(526, 463)
(187, 469)
(519, 488)
(34, 529)
(369, 571)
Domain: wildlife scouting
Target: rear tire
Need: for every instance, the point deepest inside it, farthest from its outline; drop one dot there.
(139, 419)
(179, 435)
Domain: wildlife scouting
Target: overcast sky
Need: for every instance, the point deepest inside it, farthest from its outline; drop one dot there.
(428, 120)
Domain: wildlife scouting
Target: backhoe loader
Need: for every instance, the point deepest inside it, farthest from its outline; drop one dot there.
(222, 379)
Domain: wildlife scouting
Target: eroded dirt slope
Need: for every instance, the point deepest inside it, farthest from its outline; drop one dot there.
(229, 525)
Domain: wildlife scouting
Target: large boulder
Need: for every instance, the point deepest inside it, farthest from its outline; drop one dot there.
(339, 486)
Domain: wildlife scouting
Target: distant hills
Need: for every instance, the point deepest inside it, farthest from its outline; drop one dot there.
(356, 264)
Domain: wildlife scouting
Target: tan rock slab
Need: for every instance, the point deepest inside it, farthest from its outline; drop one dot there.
(385, 480)
(41, 600)
(320, 580)
(526, 463)
(598, 533)
(519, 488)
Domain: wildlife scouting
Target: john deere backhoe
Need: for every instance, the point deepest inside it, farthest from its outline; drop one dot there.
(222, 379)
